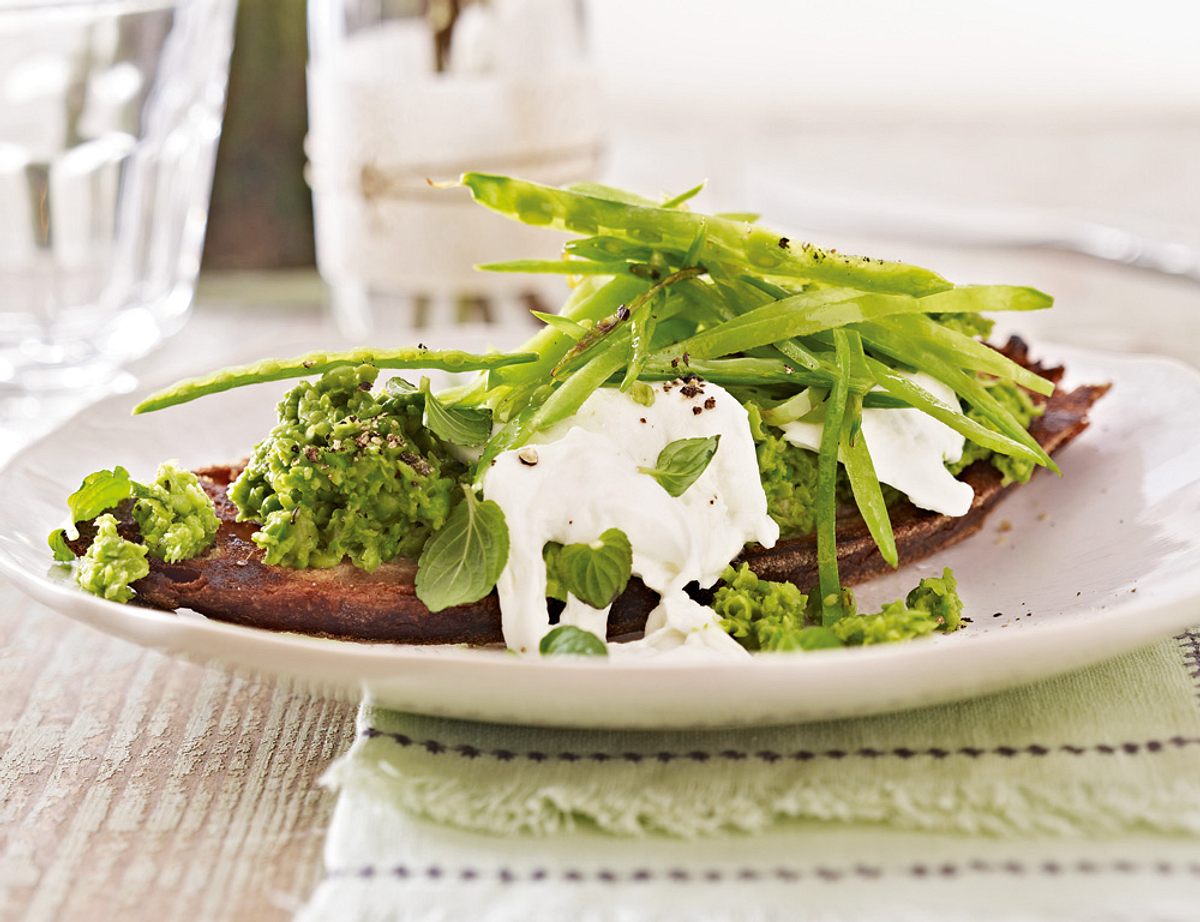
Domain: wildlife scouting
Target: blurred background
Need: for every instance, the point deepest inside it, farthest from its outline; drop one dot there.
(1052, 144)
(995, 140)
(1088, 106)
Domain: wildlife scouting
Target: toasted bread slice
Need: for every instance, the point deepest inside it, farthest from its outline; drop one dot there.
(231, 582)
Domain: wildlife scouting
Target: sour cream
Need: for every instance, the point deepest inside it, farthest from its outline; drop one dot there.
(909, 450)
(582, 477)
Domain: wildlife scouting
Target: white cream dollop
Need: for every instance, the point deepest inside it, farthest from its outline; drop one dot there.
(909, 450)
(585, 479)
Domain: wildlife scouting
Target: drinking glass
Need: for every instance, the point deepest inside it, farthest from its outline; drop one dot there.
(402, 92)
(110, 112)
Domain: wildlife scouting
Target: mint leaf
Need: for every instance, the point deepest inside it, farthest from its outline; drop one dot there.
(568, 640)
(467, 426)
(595, 573)
(682, 462)
(465, 557)
(98, 492)
(58, 544)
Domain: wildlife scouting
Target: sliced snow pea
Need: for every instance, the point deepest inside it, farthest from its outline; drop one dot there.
(965, 351)
(591, 300)
(757, 249)
(916, 396)
(558, 267)
(315, 363)
(829, 582)
(860, 469)
(914, 351)
(800, 315)
(743, 372)
(616, 321)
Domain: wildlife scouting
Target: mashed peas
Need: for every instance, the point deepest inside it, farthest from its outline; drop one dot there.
(111, 563)
(777, 616)
(789, 477)
(347, 473)
(1017, 401)
(174, 517)
(174, 514)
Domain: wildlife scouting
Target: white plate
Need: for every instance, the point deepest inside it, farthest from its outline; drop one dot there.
(1067, 572)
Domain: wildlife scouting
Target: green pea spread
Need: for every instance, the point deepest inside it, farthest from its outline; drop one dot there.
(175, 515)
(111, 563)
(766, 615)
(347, 473)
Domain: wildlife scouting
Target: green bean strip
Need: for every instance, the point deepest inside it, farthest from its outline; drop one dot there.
(967, 386)
(557, 267)
(830, 585)
(608, 249)
(567, 327)
(800, 315)
(860, 469)
(743, 372)
(611, 194)
(571, 394)
(878, 400)
(641, 331)
(692, 256)
(988, 298)
(972, 390)
(621, 337)
(514, 432)
(915, 395)
(754, 247)
(598, 336)
(795, 352)
(606, 327)
(682, 197)
(589, 301)
(792, 350)
(707, 301)
(966, 352)
(315, 363)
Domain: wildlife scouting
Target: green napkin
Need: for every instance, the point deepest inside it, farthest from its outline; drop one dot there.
(1115, 747)
(1075, 798)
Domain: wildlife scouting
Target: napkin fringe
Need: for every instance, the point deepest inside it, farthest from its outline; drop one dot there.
(528, 803)
(416, 902)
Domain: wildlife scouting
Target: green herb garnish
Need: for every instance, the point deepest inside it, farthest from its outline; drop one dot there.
(682, 462)
(568, 640)
(59, 547)
(99, 491)
(595, 573)
(463, 559)
(467, 426)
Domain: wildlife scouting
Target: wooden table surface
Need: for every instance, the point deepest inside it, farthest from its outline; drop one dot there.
(136, 786)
